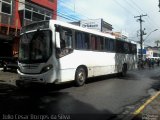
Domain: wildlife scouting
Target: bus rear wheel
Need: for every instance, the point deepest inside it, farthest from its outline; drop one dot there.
(80, 76)
(20, 84)
(124, 70)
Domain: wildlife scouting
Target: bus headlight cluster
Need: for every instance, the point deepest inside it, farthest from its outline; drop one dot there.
(47, 68)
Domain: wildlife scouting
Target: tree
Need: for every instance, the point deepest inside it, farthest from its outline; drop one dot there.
(157, 42)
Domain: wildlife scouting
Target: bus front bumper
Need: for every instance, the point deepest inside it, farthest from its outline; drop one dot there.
(47, 77)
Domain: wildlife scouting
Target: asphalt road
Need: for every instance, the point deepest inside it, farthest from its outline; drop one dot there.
(107, 97)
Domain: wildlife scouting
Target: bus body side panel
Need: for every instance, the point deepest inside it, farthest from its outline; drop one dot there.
(129, 59)
(69, 64)
(104, 63)
(97, 63)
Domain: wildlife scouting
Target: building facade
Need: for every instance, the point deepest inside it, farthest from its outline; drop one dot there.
(153, 52)
(17, 13)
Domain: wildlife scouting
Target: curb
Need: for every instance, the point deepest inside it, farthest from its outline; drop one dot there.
(142, 107)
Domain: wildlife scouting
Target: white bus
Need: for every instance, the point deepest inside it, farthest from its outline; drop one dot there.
(55, 52)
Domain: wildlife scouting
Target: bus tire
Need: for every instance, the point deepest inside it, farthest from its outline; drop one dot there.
(124, 70)
(20, 84)
(4, 69)
(80, 76)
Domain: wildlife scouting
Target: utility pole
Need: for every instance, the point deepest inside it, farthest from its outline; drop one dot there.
(141, 34)
(159, 5)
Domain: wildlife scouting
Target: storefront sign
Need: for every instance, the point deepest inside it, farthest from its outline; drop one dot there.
(92, 24)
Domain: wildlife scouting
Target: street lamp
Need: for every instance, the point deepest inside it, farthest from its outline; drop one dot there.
(150, 34)
(157, 42)
(142, 40)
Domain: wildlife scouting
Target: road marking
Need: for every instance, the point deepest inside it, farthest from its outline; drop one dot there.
(146, 103)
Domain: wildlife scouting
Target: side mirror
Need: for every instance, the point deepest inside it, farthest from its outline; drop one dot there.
(58, 40)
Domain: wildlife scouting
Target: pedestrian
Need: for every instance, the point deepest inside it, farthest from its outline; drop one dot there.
(149, 63)
(152, 63)
(158, 62)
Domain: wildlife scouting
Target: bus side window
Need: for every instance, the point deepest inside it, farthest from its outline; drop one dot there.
(93, 40)
(106, 44)
(82, 40)
(126, 47)
(134, 49)
(66, 38)
(119, 46)
(99, 43)
(62, 42)
(66, 42)
(111, 45)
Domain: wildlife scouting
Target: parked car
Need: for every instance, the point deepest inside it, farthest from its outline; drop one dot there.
(10, 62)
(1, 63)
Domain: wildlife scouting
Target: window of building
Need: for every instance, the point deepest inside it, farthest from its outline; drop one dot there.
(28, 7)
(8, 1)
(37, 16)
(51, 1)
(47, 17)
(36, 13)
(35, 9)
(6, 6)
(28, 14)
(155, 54)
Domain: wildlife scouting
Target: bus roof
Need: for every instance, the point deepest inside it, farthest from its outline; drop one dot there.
(68, 25)
(46, 24)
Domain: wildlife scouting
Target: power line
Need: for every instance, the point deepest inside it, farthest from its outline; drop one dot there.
(66, 16)
(137, 6)
(151, 21)
(69, 7)
(159, 5)
(123, 7)
(132, 6)
(75, 8)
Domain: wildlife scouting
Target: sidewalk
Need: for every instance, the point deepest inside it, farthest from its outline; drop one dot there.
(150, 110)
(8, 77)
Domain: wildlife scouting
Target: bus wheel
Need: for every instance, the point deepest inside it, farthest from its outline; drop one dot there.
(20, 84)
(124, 70)
(80, 76)
(4, 69)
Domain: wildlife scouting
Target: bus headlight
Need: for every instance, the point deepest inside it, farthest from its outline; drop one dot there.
(47, 68)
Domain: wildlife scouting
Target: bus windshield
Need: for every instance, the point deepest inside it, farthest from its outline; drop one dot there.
(35, 46)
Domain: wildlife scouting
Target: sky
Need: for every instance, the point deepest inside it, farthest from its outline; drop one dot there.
(119, 13)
